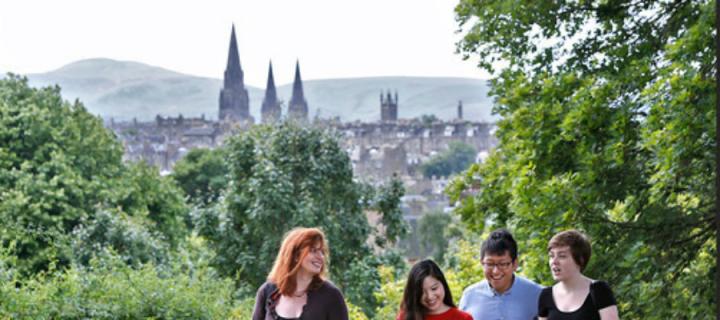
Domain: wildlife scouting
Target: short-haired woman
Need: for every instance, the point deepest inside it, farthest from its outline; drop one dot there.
(297, 288)
(427, 295)
(574, 296)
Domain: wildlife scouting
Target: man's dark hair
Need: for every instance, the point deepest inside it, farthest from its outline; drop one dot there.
(499, 242)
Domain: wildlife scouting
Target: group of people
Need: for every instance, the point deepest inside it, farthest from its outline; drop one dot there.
(297, 287)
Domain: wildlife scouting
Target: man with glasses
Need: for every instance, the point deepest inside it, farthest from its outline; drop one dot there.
(503, 294)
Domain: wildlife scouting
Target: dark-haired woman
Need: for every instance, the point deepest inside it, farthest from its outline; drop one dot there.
(427, 295)
(296, 288)
(574, 296)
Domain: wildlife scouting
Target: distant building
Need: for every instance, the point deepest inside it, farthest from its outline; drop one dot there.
(460, 110)
(298, 107)
(388, 107)
(270, 110)
(234, 101)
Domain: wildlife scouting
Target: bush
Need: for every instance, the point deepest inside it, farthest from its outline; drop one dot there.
(126, 235)
(110, 289)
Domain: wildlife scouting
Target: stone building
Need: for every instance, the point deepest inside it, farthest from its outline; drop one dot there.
(234, 101)
(167, 139)
(270, 110)
(298, 107)
(388, 107)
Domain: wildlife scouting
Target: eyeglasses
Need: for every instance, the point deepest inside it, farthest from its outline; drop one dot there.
(499, 266)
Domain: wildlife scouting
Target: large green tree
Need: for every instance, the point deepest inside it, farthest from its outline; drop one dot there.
(608, 115)
(202, 174)
(58, 167)
(288, 176)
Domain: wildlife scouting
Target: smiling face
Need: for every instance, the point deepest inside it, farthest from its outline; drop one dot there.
(562, 264)
(499, 270)
(433, 295)
(314, 261)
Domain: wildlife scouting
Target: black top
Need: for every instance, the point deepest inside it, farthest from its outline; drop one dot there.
(324, 303)
(600, 297)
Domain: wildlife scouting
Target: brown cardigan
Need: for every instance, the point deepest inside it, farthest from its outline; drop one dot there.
(324, 303)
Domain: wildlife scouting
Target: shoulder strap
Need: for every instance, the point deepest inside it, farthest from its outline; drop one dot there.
(592, 295)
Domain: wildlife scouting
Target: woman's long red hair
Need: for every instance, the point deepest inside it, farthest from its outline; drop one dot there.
(295, 247)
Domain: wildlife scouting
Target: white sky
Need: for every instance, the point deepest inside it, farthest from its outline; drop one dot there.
(332, 38)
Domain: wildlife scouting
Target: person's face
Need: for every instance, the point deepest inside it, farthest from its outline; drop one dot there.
(433, 295)
(562, 264)
(314, 261)
(499, 270)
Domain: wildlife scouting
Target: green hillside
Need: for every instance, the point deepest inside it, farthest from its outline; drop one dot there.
(125, 90)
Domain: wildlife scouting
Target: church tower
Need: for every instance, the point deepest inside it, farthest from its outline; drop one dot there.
(270, 109)
(234, 102)
(388, 107)
(460, 110)
(298, 107)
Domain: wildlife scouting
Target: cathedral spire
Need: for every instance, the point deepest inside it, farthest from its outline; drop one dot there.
(270, 109)
(234, 101)
(298, 108)
(297, 84)
(270, 91)
(233, 70)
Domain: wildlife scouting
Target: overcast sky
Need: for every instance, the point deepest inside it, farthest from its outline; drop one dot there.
(332, 38)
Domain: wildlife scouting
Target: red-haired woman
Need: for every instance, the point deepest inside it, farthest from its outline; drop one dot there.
(296, 288)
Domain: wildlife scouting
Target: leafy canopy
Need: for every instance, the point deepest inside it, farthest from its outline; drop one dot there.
(608, 112)
(288, 176)
(58, 167)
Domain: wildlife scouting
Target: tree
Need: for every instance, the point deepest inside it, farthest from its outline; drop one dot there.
(141, 191)
(58, 167)
(428, 119)
(201, 174)
(288, 176)
(432, 233)
(56, 161)
(456, 158)
(607, 109)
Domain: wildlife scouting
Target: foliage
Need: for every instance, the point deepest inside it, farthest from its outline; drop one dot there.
(201, 174)
(456, 158)
(385, 198)
(390, 294)
(428, 119)
(58, 167)
(432, 233)
(288, 176)
(141, 191)
(355, 313)
(109, 289)
(608, 109)
(128, 236)
(56, 161)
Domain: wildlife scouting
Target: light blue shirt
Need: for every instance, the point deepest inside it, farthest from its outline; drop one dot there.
(520, 302)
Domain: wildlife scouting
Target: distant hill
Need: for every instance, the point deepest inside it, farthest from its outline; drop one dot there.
(125, 89)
